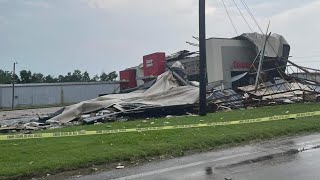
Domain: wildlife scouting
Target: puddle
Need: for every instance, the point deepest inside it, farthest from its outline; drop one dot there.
(260, 159)
(309, 147)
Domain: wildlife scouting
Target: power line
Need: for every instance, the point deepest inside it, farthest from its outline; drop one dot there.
(225, 7)
(256, 22)
(245, 18)
(242, 15)
(252, 16)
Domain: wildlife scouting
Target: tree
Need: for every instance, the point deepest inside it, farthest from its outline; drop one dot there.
(95, 78)
(112, 76)
(61, 78)
(85, 77)
(76, 76)
(5, 77)
(103, 76)
(16, 79)
(68, 77)
(37, 78)
(108, 77)
(25, 76)
(50, 79)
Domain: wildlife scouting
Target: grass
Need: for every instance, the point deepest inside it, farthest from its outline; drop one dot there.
(26, 158)
(213, 117)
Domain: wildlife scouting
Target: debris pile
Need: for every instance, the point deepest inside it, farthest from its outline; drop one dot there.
(168, 95)
(274, 82)
(165, 96)
(282, 89)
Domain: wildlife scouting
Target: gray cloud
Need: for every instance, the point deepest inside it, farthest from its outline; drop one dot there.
(37, 4)
(97, 35)
(300, 27)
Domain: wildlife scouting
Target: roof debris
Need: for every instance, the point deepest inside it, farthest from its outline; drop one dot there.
(172, 94)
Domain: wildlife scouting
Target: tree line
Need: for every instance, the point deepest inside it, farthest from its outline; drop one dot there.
(26, 76)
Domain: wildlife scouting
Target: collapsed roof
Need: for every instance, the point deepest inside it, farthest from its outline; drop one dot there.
(276, 47)
(166, 91)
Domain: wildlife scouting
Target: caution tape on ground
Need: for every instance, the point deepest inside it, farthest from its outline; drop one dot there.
(115, 131)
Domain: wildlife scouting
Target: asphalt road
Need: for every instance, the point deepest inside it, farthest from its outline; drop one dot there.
(285, 159)
(300, 166)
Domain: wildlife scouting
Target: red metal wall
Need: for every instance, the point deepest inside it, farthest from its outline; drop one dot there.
(154, 64)
(130, 76)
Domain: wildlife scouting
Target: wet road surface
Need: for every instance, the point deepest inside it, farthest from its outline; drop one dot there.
(305, 165)
(285, 159)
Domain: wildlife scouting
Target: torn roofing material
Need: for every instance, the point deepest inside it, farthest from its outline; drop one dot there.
(276, 46)
(164, 92)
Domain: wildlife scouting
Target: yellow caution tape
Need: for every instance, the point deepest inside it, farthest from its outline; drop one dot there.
(115, 131)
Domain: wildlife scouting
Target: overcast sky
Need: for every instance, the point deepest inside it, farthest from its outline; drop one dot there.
(58, 36)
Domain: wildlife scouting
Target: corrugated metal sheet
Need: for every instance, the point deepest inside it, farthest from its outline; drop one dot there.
(54, 93)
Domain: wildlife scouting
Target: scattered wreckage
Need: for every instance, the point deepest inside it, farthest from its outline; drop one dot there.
(166, 95)
(169, 94)
(172, 94)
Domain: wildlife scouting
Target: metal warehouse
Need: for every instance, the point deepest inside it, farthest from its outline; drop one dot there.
(54, 93)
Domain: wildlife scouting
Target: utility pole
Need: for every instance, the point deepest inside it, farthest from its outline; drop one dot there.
(203, 59)
(13, 82)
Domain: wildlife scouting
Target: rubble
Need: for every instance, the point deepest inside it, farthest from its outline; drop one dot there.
(172, 95)
(227, 98)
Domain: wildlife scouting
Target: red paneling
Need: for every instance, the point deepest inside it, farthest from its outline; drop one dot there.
(154, 64)
(130, 76)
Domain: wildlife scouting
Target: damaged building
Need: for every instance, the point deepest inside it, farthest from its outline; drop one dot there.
(246, 71)
(227, 60)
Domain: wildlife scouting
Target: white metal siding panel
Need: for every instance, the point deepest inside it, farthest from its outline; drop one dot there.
(23, 96)
(51, 95)
(86, 92)
(44, 95)
(214, 60)
(6, 96)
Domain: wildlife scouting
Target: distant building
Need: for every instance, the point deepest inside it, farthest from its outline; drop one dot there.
(42, 94)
